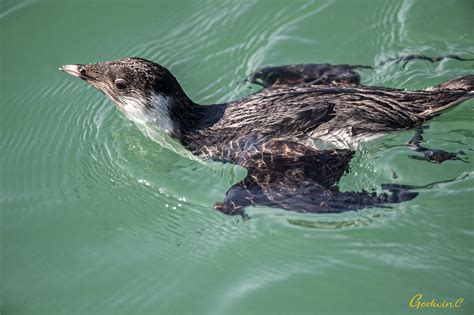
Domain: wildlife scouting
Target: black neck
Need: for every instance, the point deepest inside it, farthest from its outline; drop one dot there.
(190, 117)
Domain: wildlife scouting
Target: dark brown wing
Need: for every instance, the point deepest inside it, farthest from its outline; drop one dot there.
(306, 74)
(293, 177)
(327, 74)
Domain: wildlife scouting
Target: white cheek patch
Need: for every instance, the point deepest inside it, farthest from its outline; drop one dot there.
(153, 120)
(157, 112)
(161, 112)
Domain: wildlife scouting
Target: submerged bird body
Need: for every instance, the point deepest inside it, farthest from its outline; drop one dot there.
(278, 133)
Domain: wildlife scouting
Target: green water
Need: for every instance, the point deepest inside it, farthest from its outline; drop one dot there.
(96, 218)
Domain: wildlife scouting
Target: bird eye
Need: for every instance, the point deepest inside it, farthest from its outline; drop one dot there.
(120, 84)
(82, 70)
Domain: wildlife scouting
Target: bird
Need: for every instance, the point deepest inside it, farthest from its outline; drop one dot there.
(295, 137)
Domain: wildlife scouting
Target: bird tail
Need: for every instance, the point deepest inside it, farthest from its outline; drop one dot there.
(464, 83)
(451, 93)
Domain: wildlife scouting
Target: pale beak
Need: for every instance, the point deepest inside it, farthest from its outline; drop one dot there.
(76, 70)
(71, 69)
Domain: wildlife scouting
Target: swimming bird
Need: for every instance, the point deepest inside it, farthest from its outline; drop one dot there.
(271, 133)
